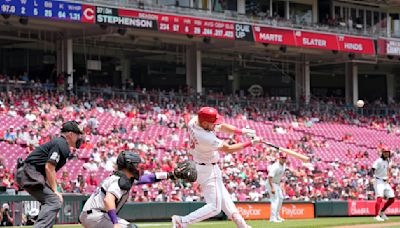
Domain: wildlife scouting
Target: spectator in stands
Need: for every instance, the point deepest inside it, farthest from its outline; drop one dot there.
(191, 197)
(30, 116)
(114, 129)
(161, 197)
(175, 197)
(6, 218)
(12, 112)
(33, 139)
(91, 166)
(65, 182)
(10, 135)
(160, 143)
(174, 136)
(122, 129)
(93, 123)
(92, 180)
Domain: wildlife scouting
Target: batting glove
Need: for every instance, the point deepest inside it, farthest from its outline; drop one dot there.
(249, 133)
(256, 140)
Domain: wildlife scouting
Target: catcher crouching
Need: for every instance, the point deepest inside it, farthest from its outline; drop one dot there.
(102, 207)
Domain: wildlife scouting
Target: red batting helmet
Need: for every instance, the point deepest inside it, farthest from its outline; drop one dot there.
(208, 114)
(282, 155)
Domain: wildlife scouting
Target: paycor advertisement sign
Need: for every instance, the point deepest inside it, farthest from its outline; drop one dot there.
(254, 211)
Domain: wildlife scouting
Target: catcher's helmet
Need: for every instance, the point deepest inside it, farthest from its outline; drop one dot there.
(207, 114)
(130, 161)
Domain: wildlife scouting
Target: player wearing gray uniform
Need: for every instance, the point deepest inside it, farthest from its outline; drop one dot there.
(100, 211)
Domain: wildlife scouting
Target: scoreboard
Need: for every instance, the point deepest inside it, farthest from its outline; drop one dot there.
(189, 25)
(41, 8)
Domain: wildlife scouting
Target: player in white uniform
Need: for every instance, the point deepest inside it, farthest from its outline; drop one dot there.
(381, 169)
(100, 210)
(205, 150)
(275, 173)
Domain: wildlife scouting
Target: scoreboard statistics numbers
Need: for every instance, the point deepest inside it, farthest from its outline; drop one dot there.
(41, 8)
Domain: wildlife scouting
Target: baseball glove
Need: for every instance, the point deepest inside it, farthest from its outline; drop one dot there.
(186, 171)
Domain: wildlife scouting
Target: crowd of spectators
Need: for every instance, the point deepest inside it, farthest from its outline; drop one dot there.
(244, 173)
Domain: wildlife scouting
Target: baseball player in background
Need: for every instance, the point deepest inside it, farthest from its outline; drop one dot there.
(275, 173)
(380, 169)
(100, 210)
(205, 150)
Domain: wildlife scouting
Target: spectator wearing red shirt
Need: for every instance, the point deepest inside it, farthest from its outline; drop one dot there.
(92, 180)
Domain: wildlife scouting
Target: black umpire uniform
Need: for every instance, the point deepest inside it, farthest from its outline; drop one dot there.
(31, 173)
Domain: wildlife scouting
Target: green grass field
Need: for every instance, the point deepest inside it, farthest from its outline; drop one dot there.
(306, 223)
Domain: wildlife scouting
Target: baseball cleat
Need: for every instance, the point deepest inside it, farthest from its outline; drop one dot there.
(280, 219)
(379, 219)
(382, 215)
(275, 220)
(177, 222)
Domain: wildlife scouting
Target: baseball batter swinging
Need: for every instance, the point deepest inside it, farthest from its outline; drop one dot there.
(100, 211)
(205, 150)
(382, 188)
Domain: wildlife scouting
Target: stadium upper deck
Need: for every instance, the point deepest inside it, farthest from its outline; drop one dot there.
(298, 49)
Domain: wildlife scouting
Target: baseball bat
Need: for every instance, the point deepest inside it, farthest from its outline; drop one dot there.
(289, 152)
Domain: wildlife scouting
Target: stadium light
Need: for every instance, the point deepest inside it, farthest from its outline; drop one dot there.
(23, 20)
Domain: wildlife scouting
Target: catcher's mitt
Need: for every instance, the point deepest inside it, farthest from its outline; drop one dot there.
(186, 171)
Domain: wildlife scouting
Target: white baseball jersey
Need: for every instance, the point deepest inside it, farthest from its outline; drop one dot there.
(276, 171)
(110, 184)
(381, 168)
(204, 144)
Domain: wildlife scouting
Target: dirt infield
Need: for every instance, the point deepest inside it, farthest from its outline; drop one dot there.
(377, 225)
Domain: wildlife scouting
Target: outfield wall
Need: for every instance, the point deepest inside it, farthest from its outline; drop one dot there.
(73, 203)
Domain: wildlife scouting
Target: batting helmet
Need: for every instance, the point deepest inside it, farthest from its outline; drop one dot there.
(208, 114)
(386, 149)
(130, 161)
(282, 155)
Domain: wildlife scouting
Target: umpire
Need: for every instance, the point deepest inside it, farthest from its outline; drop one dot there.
(37, 174)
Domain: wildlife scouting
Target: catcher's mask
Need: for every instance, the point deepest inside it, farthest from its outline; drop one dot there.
(131, 161)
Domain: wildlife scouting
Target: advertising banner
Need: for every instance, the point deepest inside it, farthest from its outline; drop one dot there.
(357, 208)
(389, 47)
(252, 211)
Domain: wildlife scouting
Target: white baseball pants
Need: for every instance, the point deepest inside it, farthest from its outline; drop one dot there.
(383, 189)
(217, 197)
(275, 199)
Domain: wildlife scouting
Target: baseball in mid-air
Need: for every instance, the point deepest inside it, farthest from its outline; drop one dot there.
(360, 103)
